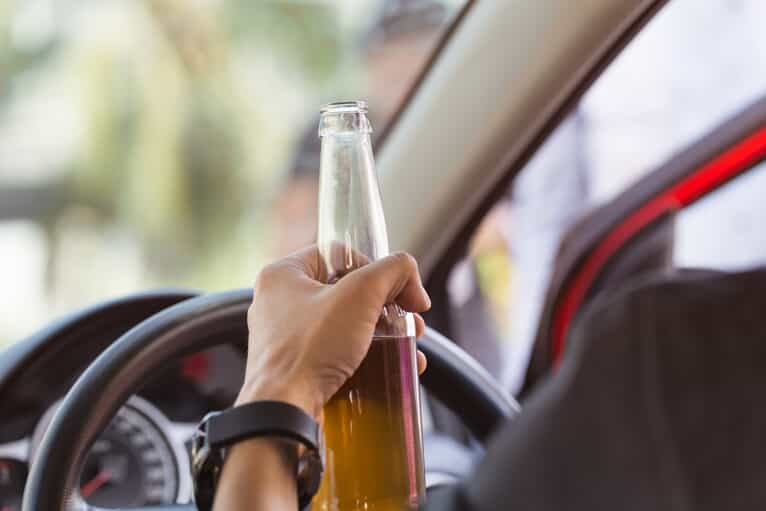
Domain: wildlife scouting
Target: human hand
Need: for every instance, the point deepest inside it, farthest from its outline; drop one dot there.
(307, 338)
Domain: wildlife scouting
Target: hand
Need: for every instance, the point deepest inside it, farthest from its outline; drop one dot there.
(307, 338)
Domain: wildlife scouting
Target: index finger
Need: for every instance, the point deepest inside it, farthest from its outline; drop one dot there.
(306, 261)
(394, 278)
(310, 261)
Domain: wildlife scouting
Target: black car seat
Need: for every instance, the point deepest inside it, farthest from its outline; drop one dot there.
(657, 405)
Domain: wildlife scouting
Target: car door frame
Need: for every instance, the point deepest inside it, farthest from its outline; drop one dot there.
(728, 151)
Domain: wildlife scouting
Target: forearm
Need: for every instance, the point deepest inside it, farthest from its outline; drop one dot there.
(259, 474)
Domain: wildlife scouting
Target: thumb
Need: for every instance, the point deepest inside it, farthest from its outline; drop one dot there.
(394, 278)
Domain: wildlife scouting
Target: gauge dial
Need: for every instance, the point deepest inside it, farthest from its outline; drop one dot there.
(132, 463)
(13, 474)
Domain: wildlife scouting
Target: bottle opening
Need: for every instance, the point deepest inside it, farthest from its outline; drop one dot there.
(344, 118)
(344, 107)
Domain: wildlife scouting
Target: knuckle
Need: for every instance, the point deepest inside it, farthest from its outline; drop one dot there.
(266, 276)
(406, 260)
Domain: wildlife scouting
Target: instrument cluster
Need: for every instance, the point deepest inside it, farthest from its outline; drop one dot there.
(142, 457)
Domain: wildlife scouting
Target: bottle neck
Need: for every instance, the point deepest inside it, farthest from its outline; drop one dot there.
(344, 122)
(351, 230)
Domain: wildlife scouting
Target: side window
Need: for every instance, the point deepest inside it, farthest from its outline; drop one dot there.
(725, 230)
(692, 67)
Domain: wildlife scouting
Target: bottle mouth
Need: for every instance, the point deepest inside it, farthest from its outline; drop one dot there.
(344, 118)
(341, 107)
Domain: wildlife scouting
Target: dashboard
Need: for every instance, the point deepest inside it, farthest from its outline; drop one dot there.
(142, 457)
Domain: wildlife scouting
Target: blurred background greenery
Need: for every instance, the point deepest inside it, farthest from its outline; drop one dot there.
(148, 143)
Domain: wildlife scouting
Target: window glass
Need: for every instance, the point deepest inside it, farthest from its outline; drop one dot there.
(725, 230)
(689, 70)
(156, 143)
(692, 67)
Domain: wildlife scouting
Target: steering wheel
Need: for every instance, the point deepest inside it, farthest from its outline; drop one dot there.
(453, 377)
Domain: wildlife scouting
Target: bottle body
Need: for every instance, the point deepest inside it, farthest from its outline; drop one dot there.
(373, 441)
(373, 447)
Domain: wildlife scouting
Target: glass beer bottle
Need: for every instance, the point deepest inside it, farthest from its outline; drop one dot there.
(372, 426)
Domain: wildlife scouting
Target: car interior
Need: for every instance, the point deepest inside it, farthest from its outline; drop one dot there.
(637, 386)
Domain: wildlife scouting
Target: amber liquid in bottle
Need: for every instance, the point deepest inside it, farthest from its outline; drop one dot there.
(373, 446)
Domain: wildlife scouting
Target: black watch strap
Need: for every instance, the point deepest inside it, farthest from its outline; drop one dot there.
(262, 418)
(219, 430)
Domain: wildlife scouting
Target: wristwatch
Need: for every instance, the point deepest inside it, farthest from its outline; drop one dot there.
(219, 430)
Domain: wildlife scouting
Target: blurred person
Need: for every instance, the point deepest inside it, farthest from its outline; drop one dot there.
(556, 175)
(393, 50)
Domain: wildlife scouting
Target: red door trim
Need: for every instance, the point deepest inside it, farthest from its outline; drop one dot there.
(705, 179)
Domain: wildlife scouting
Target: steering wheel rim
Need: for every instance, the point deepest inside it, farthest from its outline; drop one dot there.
(453, 377)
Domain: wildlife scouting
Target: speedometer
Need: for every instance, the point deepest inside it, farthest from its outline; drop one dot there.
(133, 462)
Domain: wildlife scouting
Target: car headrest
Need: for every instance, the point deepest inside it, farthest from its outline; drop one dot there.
(658, 404)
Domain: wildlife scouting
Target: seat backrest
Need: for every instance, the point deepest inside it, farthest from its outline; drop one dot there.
(657, 405)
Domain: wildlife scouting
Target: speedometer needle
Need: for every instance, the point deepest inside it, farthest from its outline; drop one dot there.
(89, 488)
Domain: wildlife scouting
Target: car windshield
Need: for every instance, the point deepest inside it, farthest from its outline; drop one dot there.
(164, 143)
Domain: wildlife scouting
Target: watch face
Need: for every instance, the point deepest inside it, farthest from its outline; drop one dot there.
(309, 476)
(206, 466)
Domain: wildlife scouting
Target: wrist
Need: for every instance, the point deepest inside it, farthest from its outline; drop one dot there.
(293, 394)
(282, 453)
(255, 464)
(244, 439)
